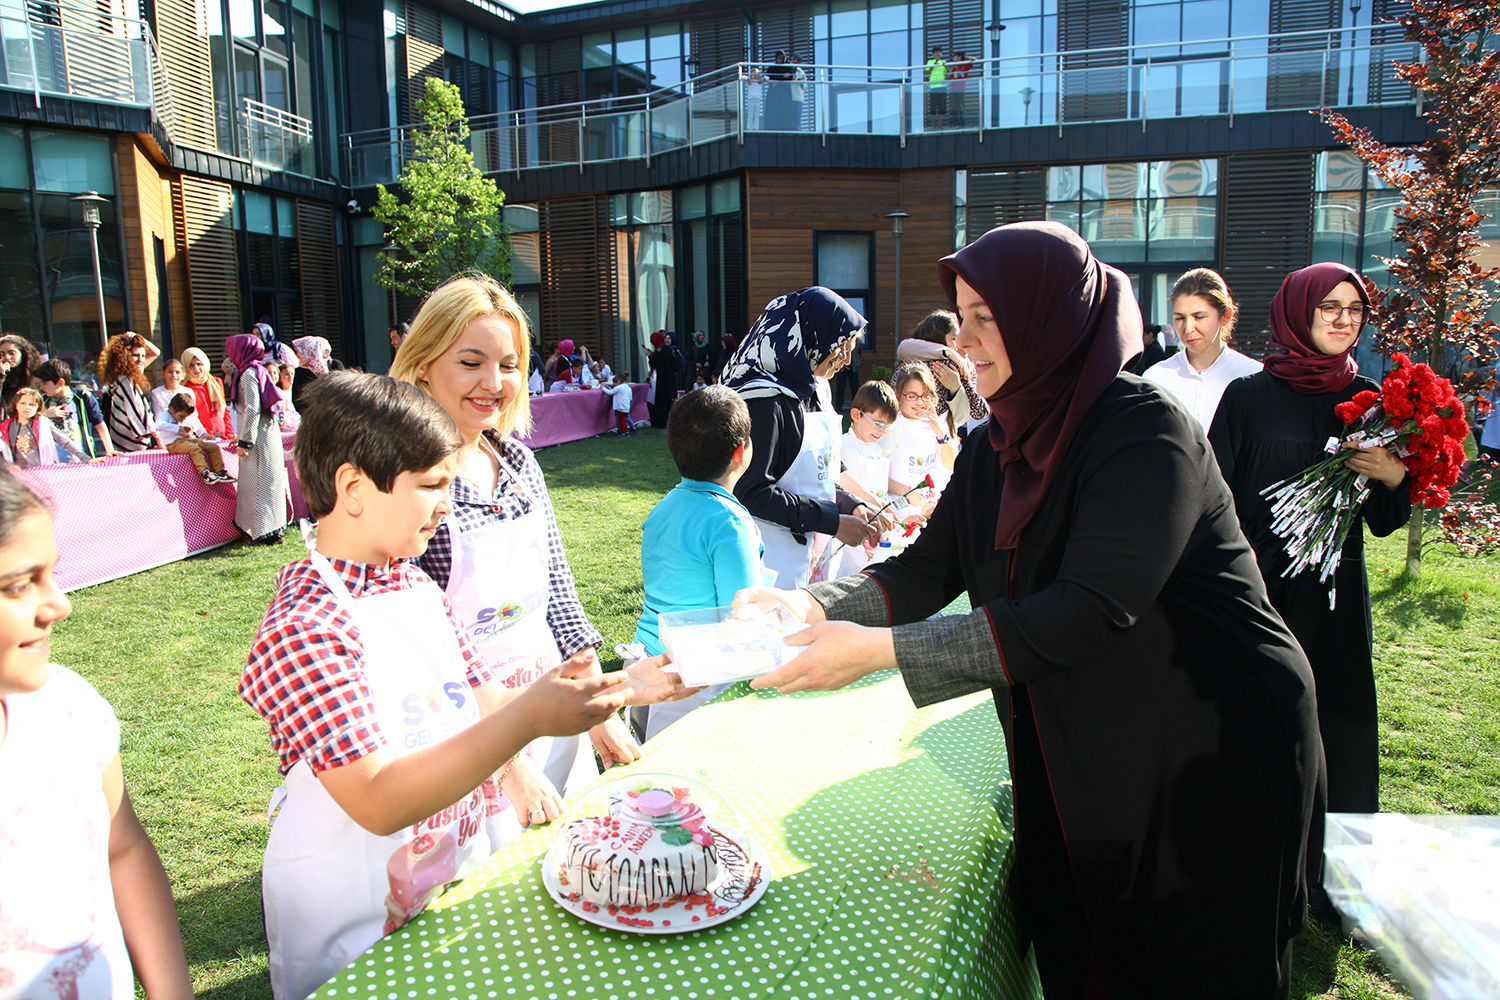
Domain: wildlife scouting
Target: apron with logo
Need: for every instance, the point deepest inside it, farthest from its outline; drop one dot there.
(814, 474)
(331, 888)
(498, 589)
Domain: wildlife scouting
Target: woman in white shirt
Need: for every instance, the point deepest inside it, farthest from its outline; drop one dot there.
(1203, 313)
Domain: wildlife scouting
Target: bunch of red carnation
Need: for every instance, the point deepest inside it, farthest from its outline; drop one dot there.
(1415, 415)
(1430, 426)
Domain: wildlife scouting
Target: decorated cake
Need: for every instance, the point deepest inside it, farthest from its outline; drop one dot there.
(651, 847)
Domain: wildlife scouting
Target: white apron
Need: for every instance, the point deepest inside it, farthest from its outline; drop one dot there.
(498, 589)
(815, 474)
(331, 888)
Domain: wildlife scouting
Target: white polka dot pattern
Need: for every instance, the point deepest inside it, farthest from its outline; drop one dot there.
(888, 830)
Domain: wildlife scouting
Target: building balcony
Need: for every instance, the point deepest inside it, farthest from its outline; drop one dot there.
(1228, 77)
(59, 50)
(275, 139)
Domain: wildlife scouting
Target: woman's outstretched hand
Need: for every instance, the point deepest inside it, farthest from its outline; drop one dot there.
(837, 655)
(799, 602)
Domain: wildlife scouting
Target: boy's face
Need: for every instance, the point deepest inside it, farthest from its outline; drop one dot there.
(178, 415)
(868, 428)
(54, 390)
(403, 521)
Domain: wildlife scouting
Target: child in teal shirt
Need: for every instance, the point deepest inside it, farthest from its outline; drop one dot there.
(699, 545)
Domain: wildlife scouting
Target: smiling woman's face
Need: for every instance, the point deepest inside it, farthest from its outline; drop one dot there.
(478, 377)
(1336, 335)
(979, 337)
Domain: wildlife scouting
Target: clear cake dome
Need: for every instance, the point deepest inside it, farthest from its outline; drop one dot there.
(658, 798)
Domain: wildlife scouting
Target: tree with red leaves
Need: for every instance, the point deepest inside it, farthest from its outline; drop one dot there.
(1436, 308)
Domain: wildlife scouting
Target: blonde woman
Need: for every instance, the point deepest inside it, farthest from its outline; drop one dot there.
(499, 555)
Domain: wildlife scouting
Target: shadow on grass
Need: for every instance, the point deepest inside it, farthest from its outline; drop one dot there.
(223, 923)
(639, 463)
(1315, 959)
(1408, 602)
(255, 986)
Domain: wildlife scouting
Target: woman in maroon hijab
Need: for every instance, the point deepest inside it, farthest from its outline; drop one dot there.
(1158, 715)
(1274, 424)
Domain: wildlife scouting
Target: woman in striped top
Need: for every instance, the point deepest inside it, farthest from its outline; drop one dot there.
(122, 370)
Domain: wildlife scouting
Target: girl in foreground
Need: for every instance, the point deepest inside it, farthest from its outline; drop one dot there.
(83, 897)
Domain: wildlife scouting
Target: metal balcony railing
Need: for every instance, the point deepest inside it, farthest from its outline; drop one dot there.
(276, 139)
(68, 51)
(1289, 71)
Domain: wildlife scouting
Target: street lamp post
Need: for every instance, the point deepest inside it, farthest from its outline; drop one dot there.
(1026, 93)
(897, 218)
(995, 28)
(90, 201)
(1354, 7)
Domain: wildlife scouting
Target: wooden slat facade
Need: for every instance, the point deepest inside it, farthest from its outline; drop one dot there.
(785, 207)
(1266, 219)
(182, 39)
(319, 265)
(580, 290)
(206, 234)
(146, 210)
(422, 50)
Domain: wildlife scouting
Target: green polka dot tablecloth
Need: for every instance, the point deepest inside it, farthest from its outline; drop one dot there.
(888, 830)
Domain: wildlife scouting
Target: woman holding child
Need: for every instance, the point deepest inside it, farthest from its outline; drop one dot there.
(208, 394)
(499, 555)
(781, 370)
(1159, 716)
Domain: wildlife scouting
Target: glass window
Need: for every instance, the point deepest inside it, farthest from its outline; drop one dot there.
(286, 217)
(257, 212)
(1116, 228)
(844, 261)
(302, 64)
(598, 50)
(13, 158)
(693, 202)
(1012, 9)
(888, 50)
(1184, 178)
(522, 218)
(242, 19)
(619, 214)
(850, 18)
(887, 15)
(1207, 19)
(68, 266)
(1339, 171)
(273, 23)
(1062, 183)
(1157, 24)
(20, 282)
(1065, 212)
(726, 195)
(850, 51)
(246, 74)
(453, 37)
(630, 46)
(275, 83)
(651, 207)
(72, 162)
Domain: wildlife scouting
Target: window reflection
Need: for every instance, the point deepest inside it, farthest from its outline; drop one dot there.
(1165, 211)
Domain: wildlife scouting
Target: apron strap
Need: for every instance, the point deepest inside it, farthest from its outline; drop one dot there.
(330, 578)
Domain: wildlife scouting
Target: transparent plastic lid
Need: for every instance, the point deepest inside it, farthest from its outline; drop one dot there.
(723, 645)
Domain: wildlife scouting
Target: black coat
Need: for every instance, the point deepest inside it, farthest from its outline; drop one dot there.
(301, 379)
(1158, 713)
(1264, 431)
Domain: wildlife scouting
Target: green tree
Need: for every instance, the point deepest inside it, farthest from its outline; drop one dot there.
(449, 221)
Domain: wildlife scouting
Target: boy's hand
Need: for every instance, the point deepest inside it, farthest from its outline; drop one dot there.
(531, 794)
(799, 602)
(561, 703)
(57, 411)
(650, 684)
(854, 530)
(613, 742)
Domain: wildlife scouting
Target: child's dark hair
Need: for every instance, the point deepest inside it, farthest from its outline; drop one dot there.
(877, 399)
(703, 430)
(17, 503)
(182, 402)
(53, 370)
(380, 425)
(25, 392)
(621, 378)
(936, 326)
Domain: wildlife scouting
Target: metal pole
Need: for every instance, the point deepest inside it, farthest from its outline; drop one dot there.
(98, 283)
(897, 218)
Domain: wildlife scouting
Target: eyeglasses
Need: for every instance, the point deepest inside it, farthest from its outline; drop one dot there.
(1330, 311)
(880, 425)
(915, 397)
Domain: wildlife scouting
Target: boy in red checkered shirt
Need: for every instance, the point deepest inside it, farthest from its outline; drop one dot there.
(389, 728)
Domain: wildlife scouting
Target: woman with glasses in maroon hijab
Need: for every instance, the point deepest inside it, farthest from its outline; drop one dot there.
(1158, 715)
(1274, 424)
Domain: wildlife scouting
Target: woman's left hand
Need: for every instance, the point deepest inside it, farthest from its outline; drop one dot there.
(1377, 463)
(837, 655)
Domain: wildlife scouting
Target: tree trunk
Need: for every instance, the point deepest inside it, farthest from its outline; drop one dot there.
(1414, 542)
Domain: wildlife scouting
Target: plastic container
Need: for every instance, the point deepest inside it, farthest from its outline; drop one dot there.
(723, 645)
(1425, 892)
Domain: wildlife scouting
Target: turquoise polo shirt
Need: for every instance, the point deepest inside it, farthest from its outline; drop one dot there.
(698, 547)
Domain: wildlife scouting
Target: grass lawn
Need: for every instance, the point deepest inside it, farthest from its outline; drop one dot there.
(166, 648)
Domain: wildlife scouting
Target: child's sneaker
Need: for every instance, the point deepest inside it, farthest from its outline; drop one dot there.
(209, 476)
(223, 477)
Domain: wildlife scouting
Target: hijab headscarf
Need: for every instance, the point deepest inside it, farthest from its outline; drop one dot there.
(314, 352)
(245, 352)
(215, 387)
(792, 337)
(1293, 358)
(565, 350)
(1069, 323)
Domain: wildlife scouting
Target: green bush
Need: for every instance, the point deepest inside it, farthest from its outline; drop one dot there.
(882, 373)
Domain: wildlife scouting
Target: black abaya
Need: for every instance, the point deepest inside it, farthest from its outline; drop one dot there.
(1263, 432)
(1158, 713)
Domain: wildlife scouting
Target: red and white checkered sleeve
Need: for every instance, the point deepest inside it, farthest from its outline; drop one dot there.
(306, 679)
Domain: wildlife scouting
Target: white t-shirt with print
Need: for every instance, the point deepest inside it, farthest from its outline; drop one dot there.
(916, 454)
(59, 933)
(868, 462)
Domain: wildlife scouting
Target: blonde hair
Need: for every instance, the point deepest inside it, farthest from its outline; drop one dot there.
(444, 316)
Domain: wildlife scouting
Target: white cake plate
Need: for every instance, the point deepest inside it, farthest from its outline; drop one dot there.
(744, 876)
